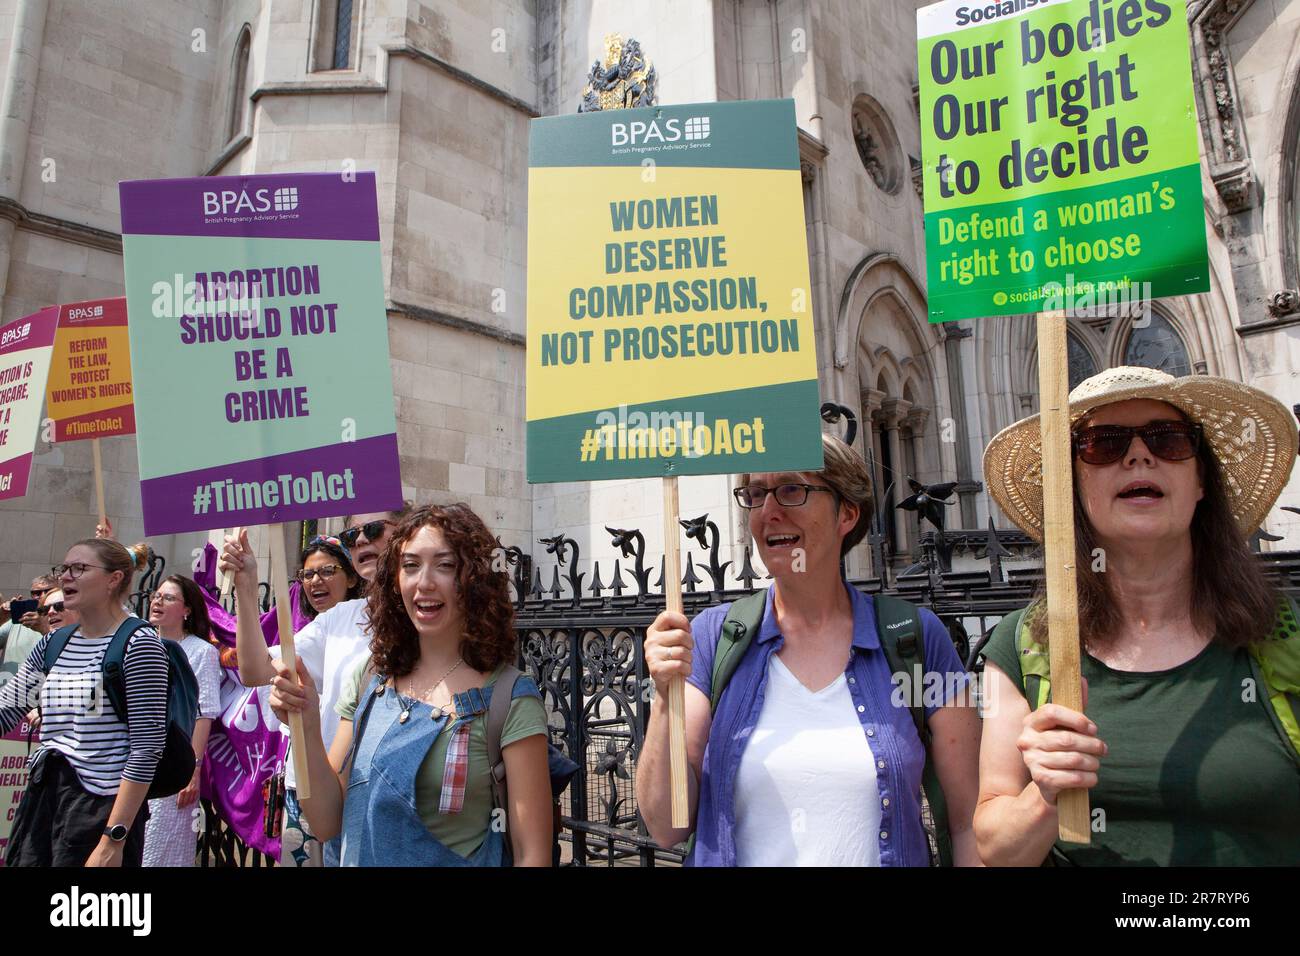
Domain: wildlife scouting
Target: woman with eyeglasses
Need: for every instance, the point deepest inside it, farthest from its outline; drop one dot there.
(329, 648)
(327, 577)
(804, 755)
(179, 613)
(85, 799)
(53, 616)
(55, 611)
(1188, 748)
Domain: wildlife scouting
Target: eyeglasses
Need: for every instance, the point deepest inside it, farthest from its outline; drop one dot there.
(790, 495)
(75, 570)
(165, 599)
(1107, 444)
(371, 529)
(39, 593)
(325, 571)
(56, 607)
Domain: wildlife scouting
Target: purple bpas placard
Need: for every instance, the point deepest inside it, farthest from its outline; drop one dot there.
(257, 321)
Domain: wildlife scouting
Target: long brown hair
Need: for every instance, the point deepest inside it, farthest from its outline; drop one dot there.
(197, 621)
(484, 595)
(1232, 598)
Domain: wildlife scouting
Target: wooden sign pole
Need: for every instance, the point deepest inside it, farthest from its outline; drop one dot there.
(99, 482)
(284, 621)
(227, 580)
(1059, 558)
(677, 770)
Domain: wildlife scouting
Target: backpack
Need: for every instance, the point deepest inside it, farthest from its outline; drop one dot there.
(176, 766)
(898, 624)
(561, 768)
(1274, 665)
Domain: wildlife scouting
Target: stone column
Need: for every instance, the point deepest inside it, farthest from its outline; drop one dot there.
(915, 421)
(19, 99)
(894, 410)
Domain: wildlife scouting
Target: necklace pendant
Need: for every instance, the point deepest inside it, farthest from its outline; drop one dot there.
(404, 717)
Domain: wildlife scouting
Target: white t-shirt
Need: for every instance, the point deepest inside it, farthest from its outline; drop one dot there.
(806, 791)
(330, 646)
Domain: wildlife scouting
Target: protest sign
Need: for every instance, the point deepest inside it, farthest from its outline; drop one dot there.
(1061, 162)
(670, 326)
(259, 337)
(13, 780)
(257, 307)
(25, 348)
(89, 390)
(88, 394)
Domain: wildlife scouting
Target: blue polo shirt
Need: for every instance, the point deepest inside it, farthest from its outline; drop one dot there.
(886, 722)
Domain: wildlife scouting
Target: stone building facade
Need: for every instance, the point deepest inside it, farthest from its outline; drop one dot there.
(436, 96)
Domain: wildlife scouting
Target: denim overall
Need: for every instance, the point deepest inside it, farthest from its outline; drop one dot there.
(381, 825)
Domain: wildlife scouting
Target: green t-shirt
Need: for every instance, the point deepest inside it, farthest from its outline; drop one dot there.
(1196, 775)
(462, 832)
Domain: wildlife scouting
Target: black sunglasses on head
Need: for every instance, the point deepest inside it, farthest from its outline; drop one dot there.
(1107, 444)
(371, 529)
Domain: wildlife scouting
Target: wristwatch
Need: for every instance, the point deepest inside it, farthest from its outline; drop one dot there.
(116, 833)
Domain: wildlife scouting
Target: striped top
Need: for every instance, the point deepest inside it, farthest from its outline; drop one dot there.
(78, 720)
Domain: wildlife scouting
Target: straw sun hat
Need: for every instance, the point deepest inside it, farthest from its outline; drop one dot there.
(1252, 434)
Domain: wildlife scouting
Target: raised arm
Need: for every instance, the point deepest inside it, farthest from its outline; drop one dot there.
(250, 644)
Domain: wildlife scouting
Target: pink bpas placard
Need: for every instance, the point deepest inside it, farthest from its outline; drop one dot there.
(26, 345)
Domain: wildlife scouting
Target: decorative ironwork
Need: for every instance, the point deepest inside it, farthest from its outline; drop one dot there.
(704, 531)
(625, 80)
(587, 655)
(832, 412)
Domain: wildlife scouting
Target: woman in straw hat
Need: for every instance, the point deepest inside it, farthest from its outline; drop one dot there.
(1186, 760)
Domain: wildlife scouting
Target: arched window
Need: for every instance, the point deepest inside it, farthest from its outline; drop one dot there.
(1082, 364)
(1157, 345)
(239, 85)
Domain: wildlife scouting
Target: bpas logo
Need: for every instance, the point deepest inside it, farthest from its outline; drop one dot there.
(83, 314)
(16, 334)
(669, 131)
(227, 201)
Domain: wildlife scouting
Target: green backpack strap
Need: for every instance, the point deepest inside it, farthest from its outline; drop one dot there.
(1277, 660)
(1035, 663)
(738, 630)
(903, 639)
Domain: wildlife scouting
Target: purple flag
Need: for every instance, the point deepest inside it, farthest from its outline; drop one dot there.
(244, 750)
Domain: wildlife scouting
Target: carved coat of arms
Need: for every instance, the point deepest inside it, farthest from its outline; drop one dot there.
(625, 80)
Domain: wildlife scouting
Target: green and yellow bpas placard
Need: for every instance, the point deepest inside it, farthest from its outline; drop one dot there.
(670, 326)
(1060, 154)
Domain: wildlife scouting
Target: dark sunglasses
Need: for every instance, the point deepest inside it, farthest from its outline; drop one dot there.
(371, 529)
(39, 593)
(1107, 444)
(56, 607)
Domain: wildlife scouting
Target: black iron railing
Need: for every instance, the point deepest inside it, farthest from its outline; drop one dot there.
(581, 638)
